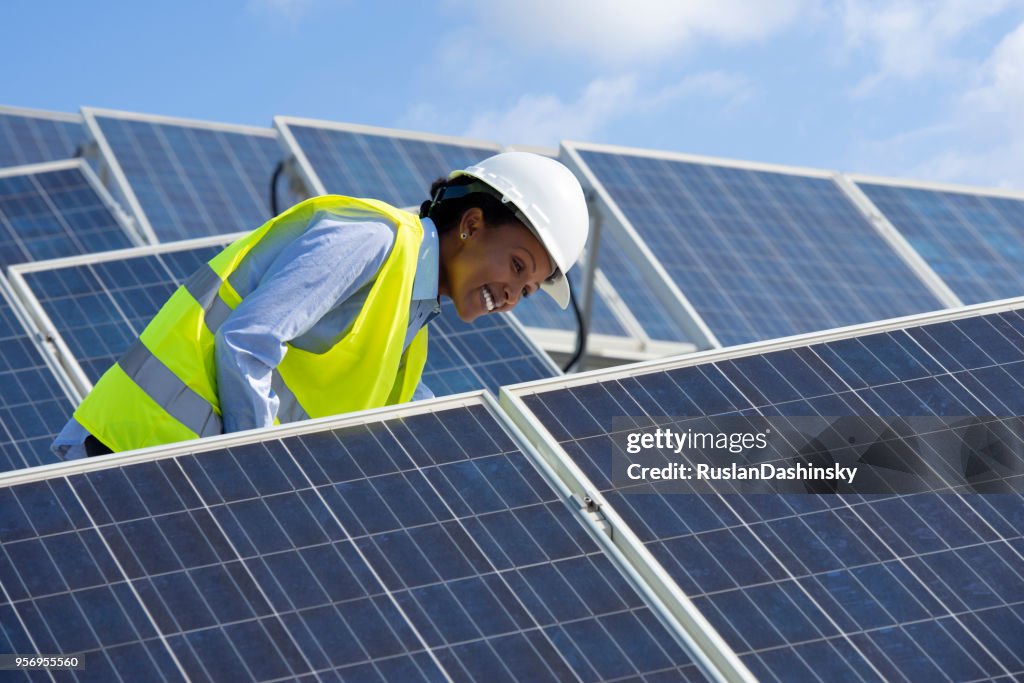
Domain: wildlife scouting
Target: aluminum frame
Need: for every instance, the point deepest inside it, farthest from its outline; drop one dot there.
(108, 161)
(40, 114)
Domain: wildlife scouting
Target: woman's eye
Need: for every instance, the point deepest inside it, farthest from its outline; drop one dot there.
(517, 265)
(526, 292)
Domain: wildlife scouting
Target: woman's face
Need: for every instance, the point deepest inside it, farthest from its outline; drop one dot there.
(493, 267)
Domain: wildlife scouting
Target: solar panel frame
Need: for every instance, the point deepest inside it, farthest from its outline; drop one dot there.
(512, 400)
(111, 163)
(853, 182)
(47, 117)
(660, 281)
(63, 471)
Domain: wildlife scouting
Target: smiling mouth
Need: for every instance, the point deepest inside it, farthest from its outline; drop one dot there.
(488, 298)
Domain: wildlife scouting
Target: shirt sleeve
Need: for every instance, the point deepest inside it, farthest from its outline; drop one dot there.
(321, 268)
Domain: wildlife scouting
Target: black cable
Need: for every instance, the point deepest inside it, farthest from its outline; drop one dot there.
(273, 188)
(581, 329)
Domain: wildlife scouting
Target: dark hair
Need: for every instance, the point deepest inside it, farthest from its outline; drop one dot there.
(446, 212)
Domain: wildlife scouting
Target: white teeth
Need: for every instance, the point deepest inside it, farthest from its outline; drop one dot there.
(488, 298)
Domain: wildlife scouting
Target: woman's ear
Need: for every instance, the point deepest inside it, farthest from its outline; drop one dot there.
(471, 221)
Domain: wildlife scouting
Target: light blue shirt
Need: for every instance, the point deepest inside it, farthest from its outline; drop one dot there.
(307, 296)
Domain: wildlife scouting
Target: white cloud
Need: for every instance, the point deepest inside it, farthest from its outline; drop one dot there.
(615, 31)
(546, 119)
(981, 140)
(911, 38)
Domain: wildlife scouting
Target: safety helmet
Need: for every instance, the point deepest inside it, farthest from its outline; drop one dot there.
(548, 200)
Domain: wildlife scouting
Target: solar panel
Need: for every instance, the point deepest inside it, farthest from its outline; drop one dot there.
(53, 210)
(33, 402)
(826, 587)
(406, 546)
(757, 252)
(972, 239)
(185, 179)
(98, 307)
(363, 161)
(28, 136)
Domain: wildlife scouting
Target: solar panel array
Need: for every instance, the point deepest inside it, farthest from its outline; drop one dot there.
(419, 547)
(53, 210)
(759, 253)
(187, 179)
(32, 137)
(99, 308)
(840, 587)
(33, 405)
(973, 241)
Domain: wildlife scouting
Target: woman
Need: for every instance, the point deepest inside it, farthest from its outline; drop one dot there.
(323, 309)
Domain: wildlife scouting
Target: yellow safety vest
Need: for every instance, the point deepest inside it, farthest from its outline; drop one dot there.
(164, 389)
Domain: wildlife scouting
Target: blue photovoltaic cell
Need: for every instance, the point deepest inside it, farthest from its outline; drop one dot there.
(974, 242)
(397, 170)
(193, 181)
(45, 215)
(760, 254)
(30, 139)
(421, 548)
(841, 587)
(33, 406)
(100, 308)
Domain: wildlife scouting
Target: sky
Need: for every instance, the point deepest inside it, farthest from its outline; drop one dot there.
(918, 89)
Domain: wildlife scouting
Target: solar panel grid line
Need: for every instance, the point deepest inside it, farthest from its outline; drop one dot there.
(857, 507)
(658, 280)
(898, 242)
(207, 505)
(704, 644)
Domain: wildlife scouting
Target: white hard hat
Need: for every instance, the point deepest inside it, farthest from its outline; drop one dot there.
(550, 202)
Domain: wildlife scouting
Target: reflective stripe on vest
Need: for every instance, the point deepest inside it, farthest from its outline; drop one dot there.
(165, 389)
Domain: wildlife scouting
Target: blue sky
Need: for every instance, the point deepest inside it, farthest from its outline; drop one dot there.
(909, 88)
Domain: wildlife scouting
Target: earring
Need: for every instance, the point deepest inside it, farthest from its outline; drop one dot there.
(465, 235)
